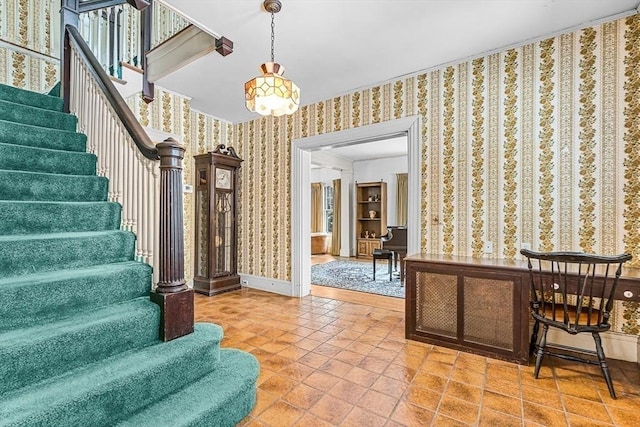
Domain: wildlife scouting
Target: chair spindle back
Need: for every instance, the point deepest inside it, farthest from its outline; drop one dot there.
(575, 290)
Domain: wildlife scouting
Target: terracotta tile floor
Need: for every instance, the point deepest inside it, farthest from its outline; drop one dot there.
(329, 362)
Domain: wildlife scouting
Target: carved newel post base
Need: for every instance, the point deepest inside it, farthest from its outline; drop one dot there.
(176, 318)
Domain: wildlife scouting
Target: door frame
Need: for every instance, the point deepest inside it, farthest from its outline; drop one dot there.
(300, 187)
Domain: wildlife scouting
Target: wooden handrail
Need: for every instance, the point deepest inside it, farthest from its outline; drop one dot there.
(140, 137)
(171, 294)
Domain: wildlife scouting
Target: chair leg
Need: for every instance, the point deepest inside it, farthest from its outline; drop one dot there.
(603, 364)
(541, 347)
(389, 267)
(534, 338)
(374, 267)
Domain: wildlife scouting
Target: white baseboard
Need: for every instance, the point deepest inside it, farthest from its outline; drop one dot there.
(615, 345)
(276, 286)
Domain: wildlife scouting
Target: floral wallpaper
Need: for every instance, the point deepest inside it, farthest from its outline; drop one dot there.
(538, 145)
(28, 43)
(199, 132)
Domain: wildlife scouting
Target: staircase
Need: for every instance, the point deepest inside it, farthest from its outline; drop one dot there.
(78, 334)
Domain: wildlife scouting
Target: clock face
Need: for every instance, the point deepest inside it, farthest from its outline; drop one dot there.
(223, 178)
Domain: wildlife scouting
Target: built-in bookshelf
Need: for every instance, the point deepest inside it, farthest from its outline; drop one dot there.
(371, 216)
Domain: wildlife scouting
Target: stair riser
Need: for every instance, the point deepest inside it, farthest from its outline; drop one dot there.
(57, 217)
(116, 398)
(48, 187)
(79, 337)
(40, 255)
(44, 300)
(222, 398)
(34, 360)
(21, 96)
(37, 116)
(20, 158)
(234, 411)
(35, 136)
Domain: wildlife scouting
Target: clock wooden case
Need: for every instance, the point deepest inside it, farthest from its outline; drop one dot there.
(216, 261)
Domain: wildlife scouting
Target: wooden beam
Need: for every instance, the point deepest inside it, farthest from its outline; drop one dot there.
(224, 46)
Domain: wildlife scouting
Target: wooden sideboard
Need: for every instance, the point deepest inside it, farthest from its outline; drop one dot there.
(478, 305)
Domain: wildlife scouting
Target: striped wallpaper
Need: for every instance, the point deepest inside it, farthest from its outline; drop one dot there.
(538, 144)
(535, 145)
(28, 43)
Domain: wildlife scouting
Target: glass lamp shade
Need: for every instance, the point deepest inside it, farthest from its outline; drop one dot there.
(271, 94)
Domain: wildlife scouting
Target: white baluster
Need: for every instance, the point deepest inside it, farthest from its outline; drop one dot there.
(133, 179)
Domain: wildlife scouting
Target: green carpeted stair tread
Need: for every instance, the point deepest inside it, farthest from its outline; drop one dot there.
(55, 90)
(27, 254)
(104, 393)
(27, 114)
(27, 97)
(29, 217)
(32, 159)
(79, 337)
(44, 297)
(37, 136)
(32, 354)
(222, 398)
(20, 185)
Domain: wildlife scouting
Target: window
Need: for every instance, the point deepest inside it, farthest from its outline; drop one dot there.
(328, 208)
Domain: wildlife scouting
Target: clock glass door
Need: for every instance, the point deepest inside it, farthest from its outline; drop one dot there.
(224, 232)
(202, 223)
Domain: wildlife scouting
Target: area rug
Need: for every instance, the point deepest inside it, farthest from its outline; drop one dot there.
(357, 276)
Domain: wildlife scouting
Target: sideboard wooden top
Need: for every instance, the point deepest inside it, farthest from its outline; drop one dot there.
(630, 276)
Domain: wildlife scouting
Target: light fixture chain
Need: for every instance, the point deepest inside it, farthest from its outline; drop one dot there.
(273, 36)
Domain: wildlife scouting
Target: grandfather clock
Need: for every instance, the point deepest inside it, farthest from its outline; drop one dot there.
(216, 263)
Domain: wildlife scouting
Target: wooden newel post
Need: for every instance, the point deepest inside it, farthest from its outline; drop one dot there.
(69, 15)
(172, 294)
(146, 22)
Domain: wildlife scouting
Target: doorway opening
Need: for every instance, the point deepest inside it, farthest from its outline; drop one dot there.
(301, 184)
(358, 206)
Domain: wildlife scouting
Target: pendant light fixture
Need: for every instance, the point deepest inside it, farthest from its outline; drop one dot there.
(271, 94)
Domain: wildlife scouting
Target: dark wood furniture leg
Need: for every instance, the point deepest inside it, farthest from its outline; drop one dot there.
(534, 338)
(374, 266)
(541, 348)
(603, 364)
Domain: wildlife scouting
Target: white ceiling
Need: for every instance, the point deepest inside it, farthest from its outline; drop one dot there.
(331, 47)
(381, 149)
(385, 149)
